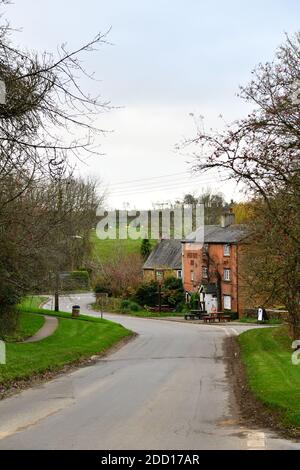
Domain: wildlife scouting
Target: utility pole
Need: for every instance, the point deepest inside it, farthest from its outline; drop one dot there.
(59, 210)
(56, 294)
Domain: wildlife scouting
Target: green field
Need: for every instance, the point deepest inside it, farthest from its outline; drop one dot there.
(104, 250)
(274, 380)
(74, 339)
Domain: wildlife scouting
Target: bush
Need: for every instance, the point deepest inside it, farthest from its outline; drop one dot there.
(102, 287)
(75, 280)
(128, 306)
(134, 307)
(9, 316)
(194, 302)
(125, 304)
(147, 294)
(172, 291)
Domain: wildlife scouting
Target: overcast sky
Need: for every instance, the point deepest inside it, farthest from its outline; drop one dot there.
(169, 58)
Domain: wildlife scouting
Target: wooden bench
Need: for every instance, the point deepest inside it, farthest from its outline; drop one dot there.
(210, 318)
(225, 318)
(216, 317)
(194, 315)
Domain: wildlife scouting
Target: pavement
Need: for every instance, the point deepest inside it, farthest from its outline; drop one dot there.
(49, 327)
(166, 389)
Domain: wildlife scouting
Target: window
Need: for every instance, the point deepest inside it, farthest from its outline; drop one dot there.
(227, 275)
(226, 250)
(192, 262)
(204, 272)
(159, 275)
(227, 302)
(192, 276)
(179, 274)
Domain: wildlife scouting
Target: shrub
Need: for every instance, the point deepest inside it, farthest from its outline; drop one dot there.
(9, 316)
(101, 286)
(125, 304)
(121, 275)
(172, 291)
(134, 307)
(194, 302)
(147, 294)
(128, 306)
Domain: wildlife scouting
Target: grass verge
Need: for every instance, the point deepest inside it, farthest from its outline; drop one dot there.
(29, 324)
(272, 378)
(74, 340)
(267, 322)
(139, 313)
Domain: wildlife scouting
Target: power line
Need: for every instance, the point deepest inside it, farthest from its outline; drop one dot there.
(168, 186)
(162, 186)
(151, 178)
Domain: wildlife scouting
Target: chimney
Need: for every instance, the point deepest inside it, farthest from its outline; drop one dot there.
(227, 219)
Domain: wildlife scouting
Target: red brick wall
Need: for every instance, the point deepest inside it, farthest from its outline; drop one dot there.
(194, 260)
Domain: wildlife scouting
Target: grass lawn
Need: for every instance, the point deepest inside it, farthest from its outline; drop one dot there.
(73, 340)
(272, 377)
(32, 302)
(29, 324)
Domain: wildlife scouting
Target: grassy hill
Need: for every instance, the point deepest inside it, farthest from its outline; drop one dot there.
(105, 249)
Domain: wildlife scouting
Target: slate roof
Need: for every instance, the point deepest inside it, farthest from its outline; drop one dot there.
(218, 234)
(166, 255)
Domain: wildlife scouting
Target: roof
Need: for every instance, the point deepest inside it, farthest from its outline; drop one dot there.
(218, 234)
(166, 255)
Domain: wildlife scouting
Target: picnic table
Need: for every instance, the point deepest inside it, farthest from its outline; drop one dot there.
(162, 308)
(195, 315)
(218, 316)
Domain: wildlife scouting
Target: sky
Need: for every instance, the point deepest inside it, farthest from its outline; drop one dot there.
(167, 59)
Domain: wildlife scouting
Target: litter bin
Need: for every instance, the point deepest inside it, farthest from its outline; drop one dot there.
(75, 311)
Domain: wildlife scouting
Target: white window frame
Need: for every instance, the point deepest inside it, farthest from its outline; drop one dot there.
(227, 250)
(179, 274)
(227, 274)
(204, 272)
(192, 276)
(227, 300)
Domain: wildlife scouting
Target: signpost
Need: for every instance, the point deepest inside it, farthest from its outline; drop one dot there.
(103, 302)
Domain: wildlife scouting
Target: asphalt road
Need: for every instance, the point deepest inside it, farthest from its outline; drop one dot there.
(166, 389)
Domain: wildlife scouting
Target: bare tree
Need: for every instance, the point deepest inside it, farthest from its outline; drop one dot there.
(263, 152)
(41, 204)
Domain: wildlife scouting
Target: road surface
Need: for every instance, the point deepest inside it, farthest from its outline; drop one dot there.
(166, 389)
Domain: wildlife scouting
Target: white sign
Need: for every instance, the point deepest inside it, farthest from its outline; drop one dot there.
(2, 353)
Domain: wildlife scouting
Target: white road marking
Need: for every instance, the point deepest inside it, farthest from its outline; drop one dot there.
(234, 331)
(256, 440)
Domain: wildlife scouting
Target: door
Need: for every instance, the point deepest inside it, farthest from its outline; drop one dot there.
(211, 303)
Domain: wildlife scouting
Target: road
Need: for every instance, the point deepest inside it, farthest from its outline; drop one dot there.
(166, 389)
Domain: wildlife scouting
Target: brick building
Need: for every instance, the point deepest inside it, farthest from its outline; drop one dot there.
(164, 261)
(214, 267)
